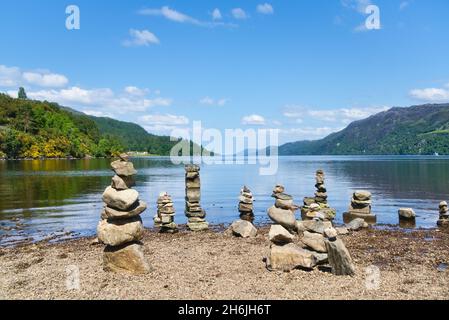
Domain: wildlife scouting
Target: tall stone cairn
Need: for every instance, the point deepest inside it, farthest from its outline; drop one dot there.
(318, 204)
(360, 207)
(121, 228)
(283, 211)
(166, 212)
(246, 205)
(444, 215)
(195, 214)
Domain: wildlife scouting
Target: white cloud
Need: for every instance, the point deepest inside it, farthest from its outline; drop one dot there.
(135, 91)
(253, 119)
(13, 77)
(104, 100)
(216, 14)
(163, 123)
(211, 102)
(431, 94)
(141, 38)
(239, 13)
(265, 8)
(341, 115)
(169, 14)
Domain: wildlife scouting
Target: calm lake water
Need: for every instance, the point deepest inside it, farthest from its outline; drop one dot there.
(62, 198)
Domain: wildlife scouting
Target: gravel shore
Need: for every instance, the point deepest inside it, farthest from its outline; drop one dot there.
(211, 265)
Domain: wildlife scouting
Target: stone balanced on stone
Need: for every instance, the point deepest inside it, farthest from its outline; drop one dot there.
(283, 211)
(195, 214)
(360, 207)
(318, 204)
(444, 215)
(246, 205)
(166, 213)
(121, 228)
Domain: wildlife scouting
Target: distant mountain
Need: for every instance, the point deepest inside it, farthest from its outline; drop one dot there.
(416, 130)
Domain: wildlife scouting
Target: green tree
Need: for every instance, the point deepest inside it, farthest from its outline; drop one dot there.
(22, 94)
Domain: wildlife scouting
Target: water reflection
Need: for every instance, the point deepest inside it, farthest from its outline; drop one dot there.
(63, 196)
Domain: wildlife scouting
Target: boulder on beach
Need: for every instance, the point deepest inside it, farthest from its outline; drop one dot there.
(125, 259)
(339, 258)
(316, 226)
(121, 200)
(118, 232)
(243, 229)
(279, 235)
(357, 224)
(289, 257)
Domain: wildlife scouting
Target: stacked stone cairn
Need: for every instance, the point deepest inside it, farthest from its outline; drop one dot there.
(283, 211)
(318, 245)
(244, 227)
(246, 205)
(121, 228)
(166, 213)
(444, 215)
(360, 207)
(318, 204)
(195, 214)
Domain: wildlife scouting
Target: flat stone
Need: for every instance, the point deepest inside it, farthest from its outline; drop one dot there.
(316, 226)
(282, 196)
(123, 168)
(122, 183)
(289, 257)
(279, 235)
(308, 201)
(246, 200)
(193, 194)
(284, 204)
(279, 189)
(243, 229)
(121, 200)
(194, 183)
(135, 210)
(368, 218)
(321, 258)
(246, 207)
(339, 258)
(192, 175)
(118, 232)
(314, 241)
(285, 218)
(362, 195)
(202, 226)
(331, 233)
(361, 203)
(125, 259)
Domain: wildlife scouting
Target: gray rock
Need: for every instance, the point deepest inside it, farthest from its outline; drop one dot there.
(321, 258)
(135, 210)
(195, 226)
(244, 229)
(357, 224)
(407, 213)
(289, 257)
(285, 218)
(122, 183)
(121, 200)
(125, 259)
(331, 233)
(282, 196)
(118, 232)
(339, 258)
(284, 204)
(317, 226)
(362, 195)
(279, 235)
(314, 241)
(194, 183)
(342, 231)
(193, 194)
(123, 168)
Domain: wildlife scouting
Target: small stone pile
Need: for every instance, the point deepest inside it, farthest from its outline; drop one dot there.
(166, 213)
(121, 228)
(195, 214)
(283, 211)
(444, 215)
(360, 208)
(318, 245)
(318, 204)
(246, 205)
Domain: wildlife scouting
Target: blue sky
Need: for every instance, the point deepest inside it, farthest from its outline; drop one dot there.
(306, 67)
